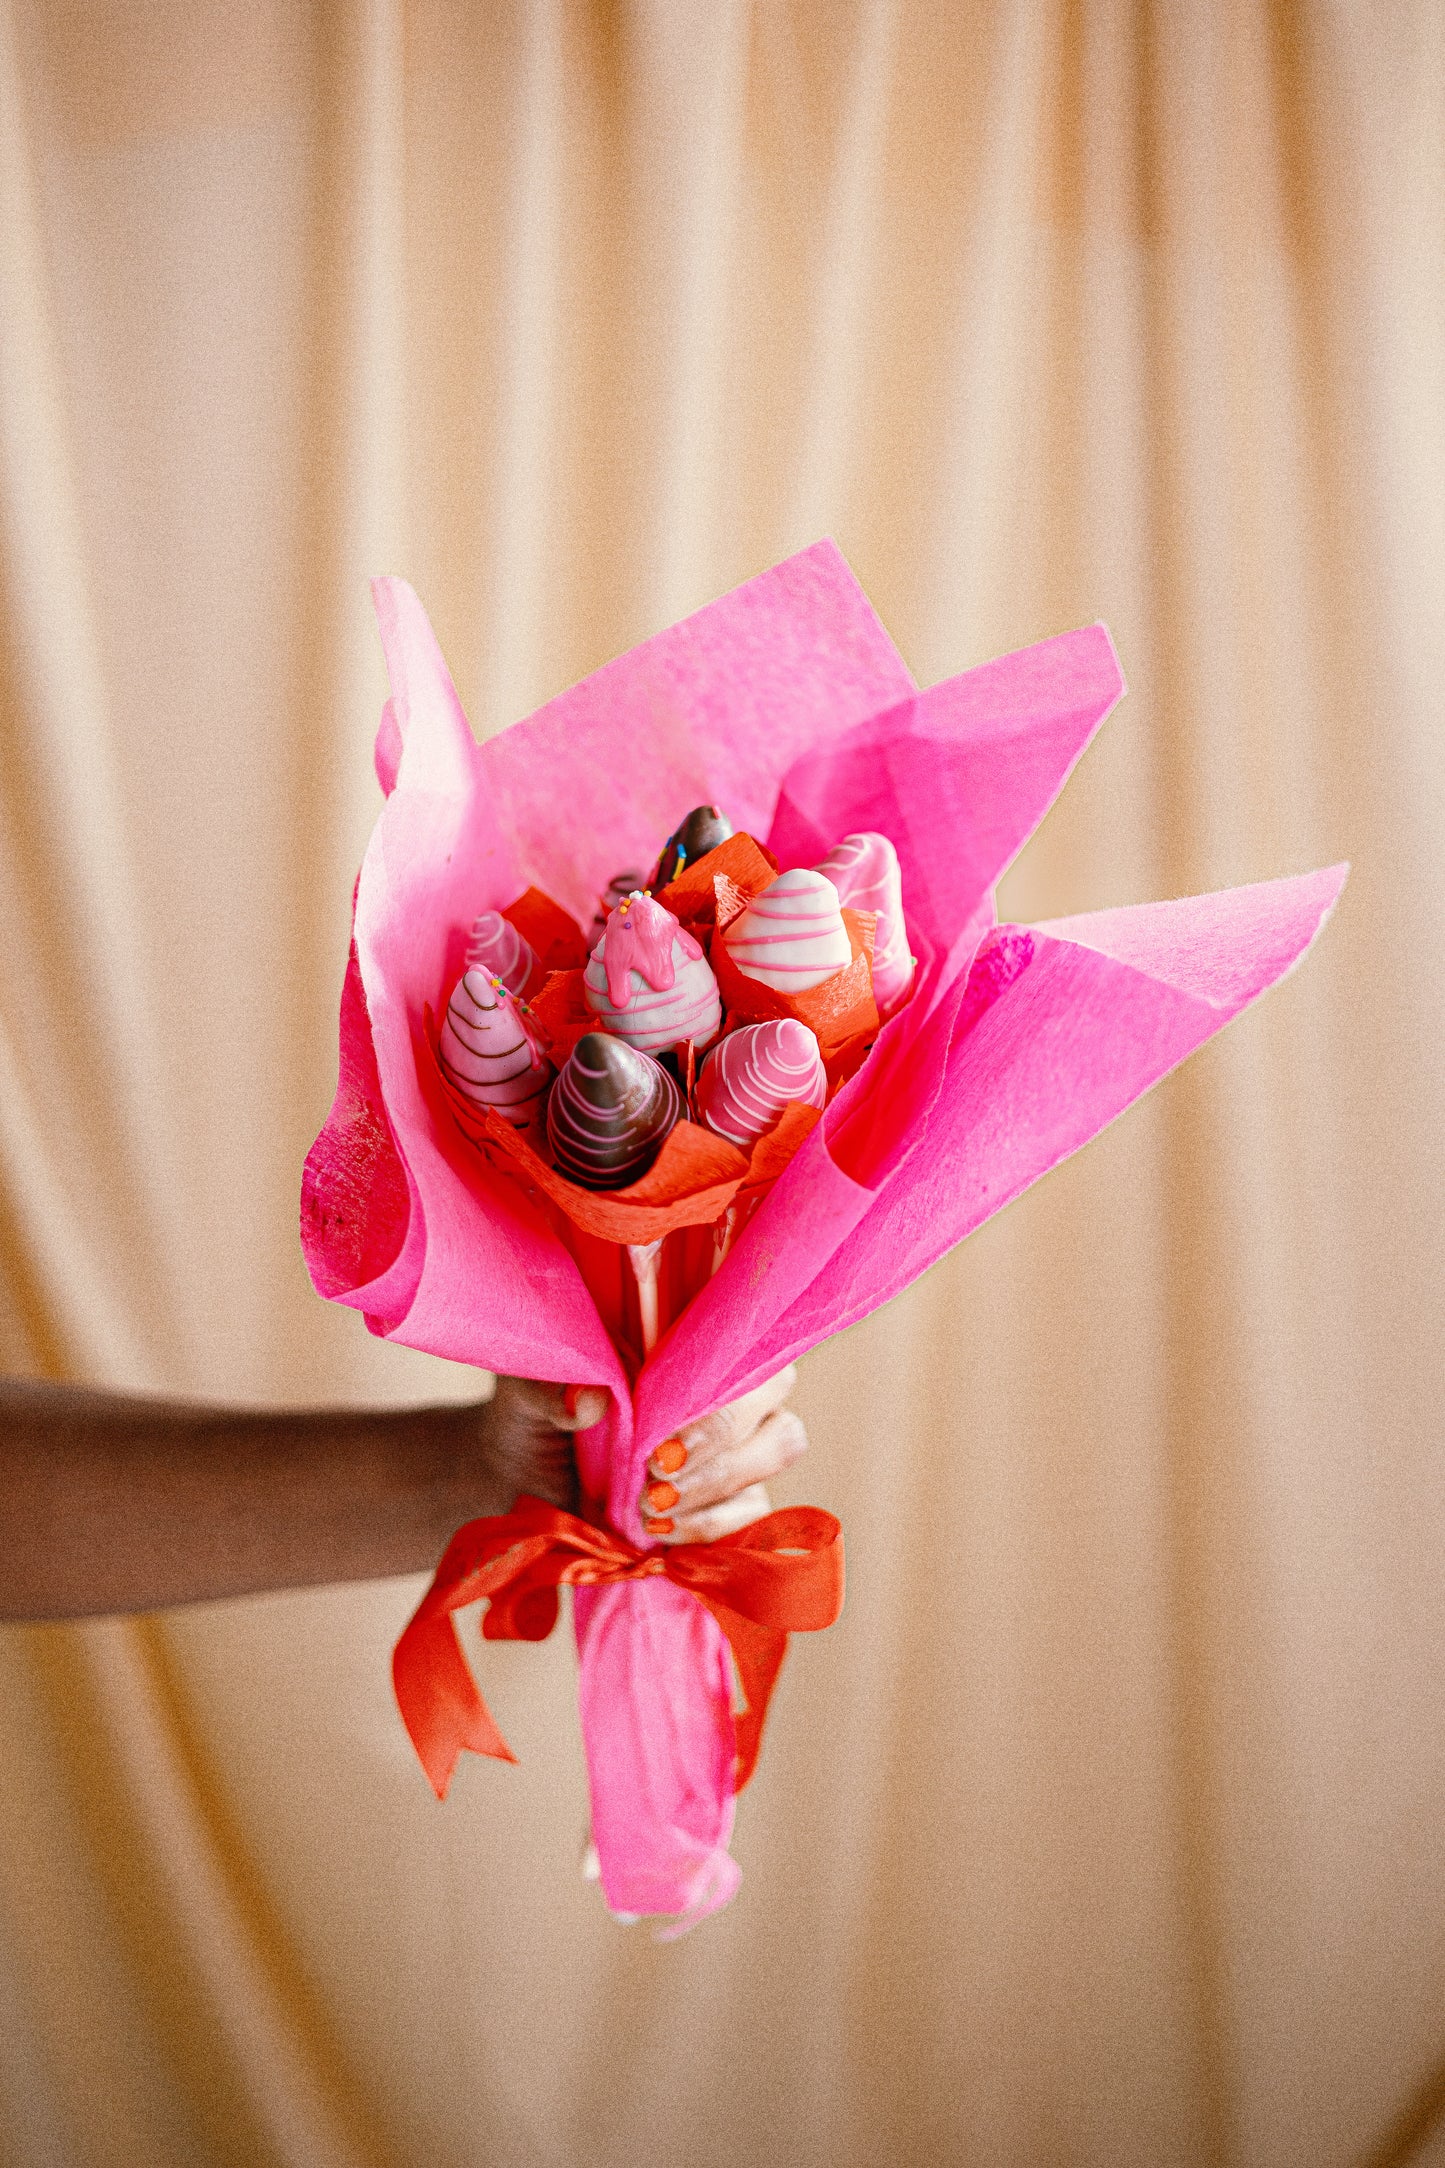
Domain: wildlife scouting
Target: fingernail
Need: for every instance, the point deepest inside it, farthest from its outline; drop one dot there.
(570, 1398)
(670, 1456)
(658, 1528)
(659, 1496)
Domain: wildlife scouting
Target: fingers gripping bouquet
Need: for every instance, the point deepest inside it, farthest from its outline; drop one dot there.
(778, 1075)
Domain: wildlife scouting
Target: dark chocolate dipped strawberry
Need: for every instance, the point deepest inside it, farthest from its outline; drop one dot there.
(703, 830)
(611, 1109)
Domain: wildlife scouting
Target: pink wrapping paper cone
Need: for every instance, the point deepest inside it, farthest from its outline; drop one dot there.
(785, 704)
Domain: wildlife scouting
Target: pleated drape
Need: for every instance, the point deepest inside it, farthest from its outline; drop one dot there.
(1108, 1826)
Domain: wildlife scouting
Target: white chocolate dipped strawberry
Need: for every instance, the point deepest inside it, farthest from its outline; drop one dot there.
(864, 869)
(488, 1052)
(791, 936)
(649, 982)
(497, 948)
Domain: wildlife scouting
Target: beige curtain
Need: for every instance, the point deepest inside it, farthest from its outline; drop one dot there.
(1108, 1827)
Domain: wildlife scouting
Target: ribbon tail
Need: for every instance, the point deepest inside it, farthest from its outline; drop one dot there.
(439, 1702)
(758, 1652)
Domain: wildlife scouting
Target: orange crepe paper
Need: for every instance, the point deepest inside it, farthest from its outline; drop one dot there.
(848, 1059)
(841, 1010)
(556, 939)
(730, 902)
(561, 1010)
(692, 897)
(693, 1179)
(773, 1150)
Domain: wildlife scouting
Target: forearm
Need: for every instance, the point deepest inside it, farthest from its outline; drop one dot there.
(109, 1503)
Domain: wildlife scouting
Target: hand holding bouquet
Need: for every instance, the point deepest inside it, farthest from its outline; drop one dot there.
(792, 1060)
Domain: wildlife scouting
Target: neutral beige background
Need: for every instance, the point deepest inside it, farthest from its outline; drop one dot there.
(1108, 1827)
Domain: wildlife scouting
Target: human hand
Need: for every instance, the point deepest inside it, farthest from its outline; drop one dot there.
(703, 1483)
(709, 1479)
(529, 1432)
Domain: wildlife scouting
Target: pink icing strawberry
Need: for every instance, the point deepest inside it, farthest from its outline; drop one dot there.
(649, 981)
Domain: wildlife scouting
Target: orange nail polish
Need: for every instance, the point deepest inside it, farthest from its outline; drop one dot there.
(570, 1399)
(659, 1496)
(670, 1456)
(658, 1528)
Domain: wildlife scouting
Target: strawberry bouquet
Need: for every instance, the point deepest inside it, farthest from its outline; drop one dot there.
(661, 1129)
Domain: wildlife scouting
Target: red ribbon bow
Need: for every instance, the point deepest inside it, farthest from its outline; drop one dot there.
(782, 1575)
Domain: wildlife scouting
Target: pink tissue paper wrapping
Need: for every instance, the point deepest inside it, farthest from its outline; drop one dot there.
(786, 704)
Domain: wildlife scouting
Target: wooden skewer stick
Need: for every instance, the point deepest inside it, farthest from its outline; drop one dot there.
(722, 1235)
(645, 1256)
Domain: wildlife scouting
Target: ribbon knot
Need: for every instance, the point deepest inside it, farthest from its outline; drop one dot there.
(587, 1573)
(782, 1575)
